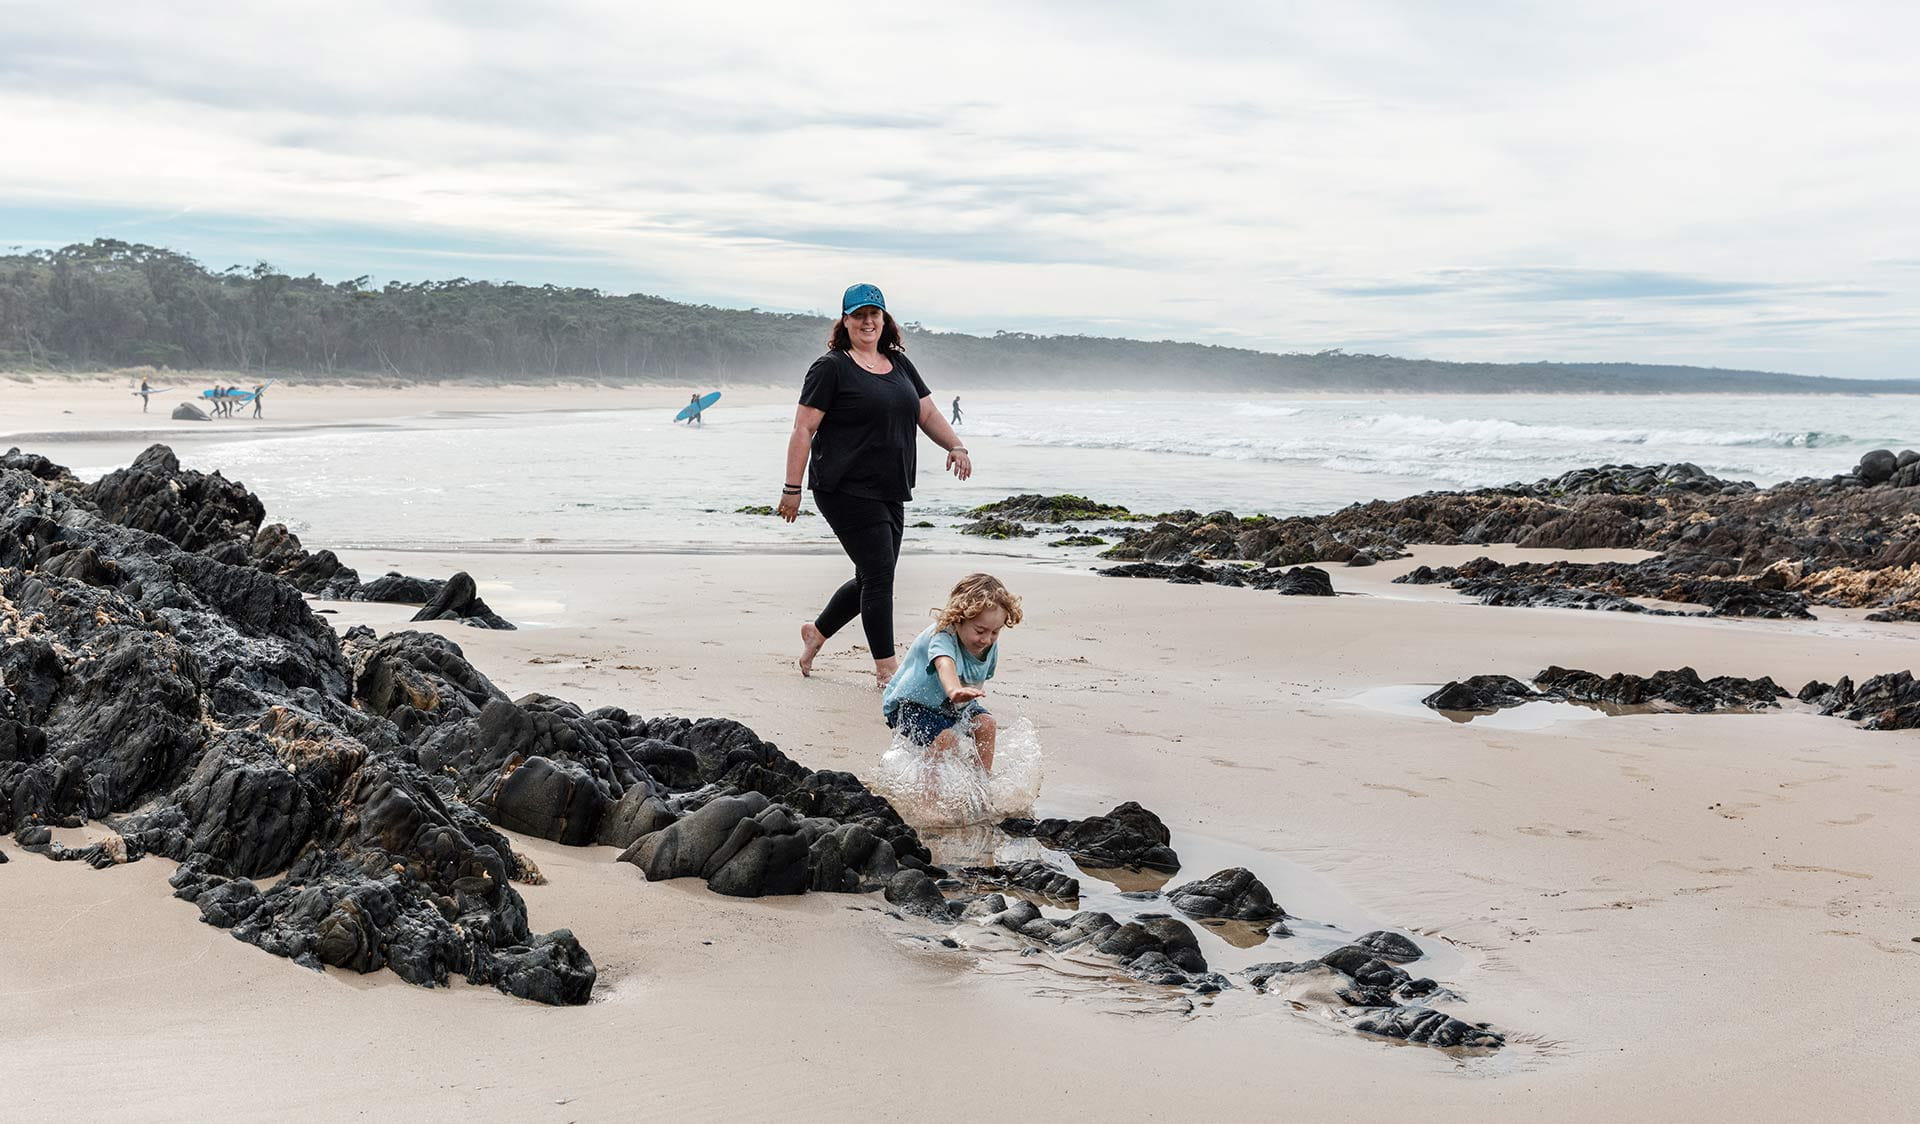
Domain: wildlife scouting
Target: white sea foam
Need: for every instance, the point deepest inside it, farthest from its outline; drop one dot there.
(633, 480)
(1497, 430)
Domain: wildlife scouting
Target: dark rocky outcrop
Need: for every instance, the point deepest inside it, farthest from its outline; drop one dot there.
(994, 528)
(187, 411)
(401, 589)
(1905, 614)
(192, 510)
(1153, 948)
(1608, 585)
(1128, 837)
(1852, 539)
(1032, 508)
(1681, 689)
(166, 674)
(459, 600)
(1395, 948)
(1308, 581)
(1232, 894)
(1884, 702)
(1031, 875)
(1482, 693)
(277, 551)
(747, 846)
(1299, 581)
(159, 660)
(1428, 1027)
(207, 514)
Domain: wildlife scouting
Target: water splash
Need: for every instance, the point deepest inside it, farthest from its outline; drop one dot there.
(949, 789)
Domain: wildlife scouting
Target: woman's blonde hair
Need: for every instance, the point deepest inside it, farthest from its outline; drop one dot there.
(975, 594)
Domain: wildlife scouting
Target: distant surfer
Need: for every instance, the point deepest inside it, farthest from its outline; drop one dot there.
(853, 435)
(144, 391)
(956, 409)
(694, 405)
(257, 392)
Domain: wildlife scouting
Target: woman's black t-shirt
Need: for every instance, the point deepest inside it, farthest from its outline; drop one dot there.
(865, 444)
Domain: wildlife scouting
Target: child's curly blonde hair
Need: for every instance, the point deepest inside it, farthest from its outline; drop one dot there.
(975, 594)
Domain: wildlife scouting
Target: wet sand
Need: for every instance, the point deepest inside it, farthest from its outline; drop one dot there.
(1673, 915)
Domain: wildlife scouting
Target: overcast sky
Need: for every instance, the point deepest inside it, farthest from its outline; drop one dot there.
(1730, 184)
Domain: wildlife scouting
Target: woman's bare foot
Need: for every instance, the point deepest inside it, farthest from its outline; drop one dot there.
(883, 670)
(811, 641)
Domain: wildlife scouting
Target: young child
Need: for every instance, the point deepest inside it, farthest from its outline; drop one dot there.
(941, 681)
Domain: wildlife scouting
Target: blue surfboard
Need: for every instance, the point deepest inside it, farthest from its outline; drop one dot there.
(692, 408)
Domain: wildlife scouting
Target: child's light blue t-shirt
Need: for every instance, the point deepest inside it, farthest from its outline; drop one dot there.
(916, 681)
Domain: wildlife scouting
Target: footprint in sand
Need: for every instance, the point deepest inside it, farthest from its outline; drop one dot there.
(1393, 788)
(1799, 869)
(1226, 763)
(1810, 780)
(1896, 948)
(1856, 820)
(1557, 833)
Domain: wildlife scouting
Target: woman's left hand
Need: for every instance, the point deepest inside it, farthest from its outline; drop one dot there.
(960, 463)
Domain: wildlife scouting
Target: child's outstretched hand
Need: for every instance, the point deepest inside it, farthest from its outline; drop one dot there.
(966, 695)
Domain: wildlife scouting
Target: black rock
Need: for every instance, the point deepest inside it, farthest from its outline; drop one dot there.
(1395, 948)
(1680, 689)
(187, 411)
(405, 590)
(1877, 467)
(459, 600)
(1481, 692)
(1301, 581)
(1031, 875)
(1428, 1027)
(1884, 702)
(1129, 836)
(1234, 894)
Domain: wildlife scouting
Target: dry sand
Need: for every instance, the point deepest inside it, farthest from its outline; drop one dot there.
(1700, 917)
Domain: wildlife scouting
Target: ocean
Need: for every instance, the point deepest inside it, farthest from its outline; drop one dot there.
(632, 480)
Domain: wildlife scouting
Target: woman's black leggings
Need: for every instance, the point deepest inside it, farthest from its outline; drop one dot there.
(869, 531)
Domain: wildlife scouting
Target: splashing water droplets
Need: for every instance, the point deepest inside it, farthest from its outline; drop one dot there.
(934, 789)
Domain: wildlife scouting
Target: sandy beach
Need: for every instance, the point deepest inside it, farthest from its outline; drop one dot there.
(1672, 916)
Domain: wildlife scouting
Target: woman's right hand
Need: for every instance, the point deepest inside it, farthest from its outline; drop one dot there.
(789, 508)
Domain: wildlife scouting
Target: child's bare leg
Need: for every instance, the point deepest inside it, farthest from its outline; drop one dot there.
(944, 744)
(985, 730)
(811, 641)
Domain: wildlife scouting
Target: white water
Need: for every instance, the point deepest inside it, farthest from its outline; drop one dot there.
(631, 479)
(951, 789)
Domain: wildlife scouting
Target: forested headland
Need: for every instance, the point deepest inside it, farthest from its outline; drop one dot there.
(112, 304)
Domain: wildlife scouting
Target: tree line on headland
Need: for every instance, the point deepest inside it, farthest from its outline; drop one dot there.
(109, 303)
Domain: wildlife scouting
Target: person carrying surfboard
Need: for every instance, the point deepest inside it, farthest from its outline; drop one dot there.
(256, 398)
(854, 437)
(144, 391)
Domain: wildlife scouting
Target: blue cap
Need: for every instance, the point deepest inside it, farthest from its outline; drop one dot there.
(860, 296)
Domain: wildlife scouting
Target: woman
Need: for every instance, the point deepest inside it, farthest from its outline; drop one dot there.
(854, 435)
